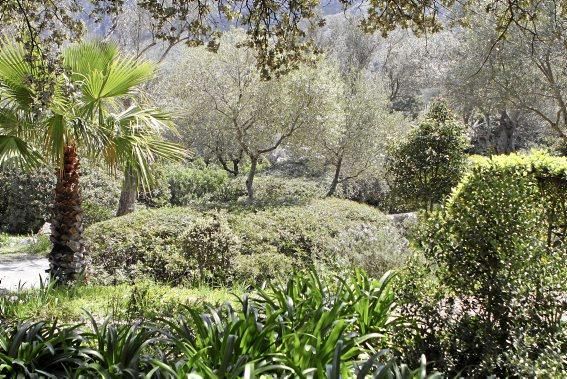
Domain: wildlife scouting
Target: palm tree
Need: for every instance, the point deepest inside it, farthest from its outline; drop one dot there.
(95, 111)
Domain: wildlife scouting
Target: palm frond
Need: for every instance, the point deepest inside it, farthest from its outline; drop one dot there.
(15, 73)
(11, 121)
(124, 75)
(84, 58)
(15, 151)
(138, 151)
(139, 142)
(102, 73)
(56, 138)
(151, 120)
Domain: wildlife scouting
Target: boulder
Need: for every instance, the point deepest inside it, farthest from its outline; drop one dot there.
(45, 230)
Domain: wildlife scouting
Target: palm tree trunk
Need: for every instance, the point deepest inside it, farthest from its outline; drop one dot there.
(128, 193)
(67, 258)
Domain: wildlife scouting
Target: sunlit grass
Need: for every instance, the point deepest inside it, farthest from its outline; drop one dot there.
(124, 302)
(24, 244)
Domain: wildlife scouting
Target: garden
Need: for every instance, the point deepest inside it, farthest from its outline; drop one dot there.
(286, 189)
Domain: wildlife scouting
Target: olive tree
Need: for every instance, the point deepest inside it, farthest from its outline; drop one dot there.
(513, 88)
(224, 95)
(356, 141)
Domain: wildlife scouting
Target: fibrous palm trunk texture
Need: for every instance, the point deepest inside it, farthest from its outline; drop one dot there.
(67, 258)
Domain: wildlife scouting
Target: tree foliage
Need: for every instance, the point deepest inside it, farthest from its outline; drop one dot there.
(424, 167)
(278, 30)
(354, 140)
(227, 101)
(518, 82)
(496, 254)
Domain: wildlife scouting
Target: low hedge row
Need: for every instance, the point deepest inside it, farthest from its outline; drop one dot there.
(251, 244)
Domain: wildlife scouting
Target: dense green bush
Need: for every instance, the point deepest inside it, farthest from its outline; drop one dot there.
(213, 246)
(272, 241)
(331, 232)
(424, 167)
(285, 190)
(370, 189)
(195, 182)
(100, 193)
(493, 291)
(25, 199)
(144, 243)
(270, 190)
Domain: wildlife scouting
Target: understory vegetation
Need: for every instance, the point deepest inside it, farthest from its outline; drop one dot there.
(283, 189)
(303, 327)
(478, 287)
(243, 244)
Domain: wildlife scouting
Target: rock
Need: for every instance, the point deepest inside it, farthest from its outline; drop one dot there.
(45, 230)
(403, 218)
(404, 222)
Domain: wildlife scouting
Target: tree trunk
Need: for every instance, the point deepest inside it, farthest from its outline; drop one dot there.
(250, 178)
(506, 134)
(67, 257)
(335, 181)
(235, 167)
(128, 194)
(224, 164)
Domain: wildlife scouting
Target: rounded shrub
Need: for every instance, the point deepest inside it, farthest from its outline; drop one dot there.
(496, 252)
(140, 244)
(195, 182)
(429, 162)
(212, 245)
(25, 199)
(176, 244)
(333, 232)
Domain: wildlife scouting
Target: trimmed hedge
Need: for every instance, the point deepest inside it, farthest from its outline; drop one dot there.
(496, 255)
(264, 243)
(511, 199)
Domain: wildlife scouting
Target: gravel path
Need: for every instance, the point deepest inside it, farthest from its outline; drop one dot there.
(22, 270)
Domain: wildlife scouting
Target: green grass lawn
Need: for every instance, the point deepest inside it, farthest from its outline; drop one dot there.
(122, 302)
(22, 244)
